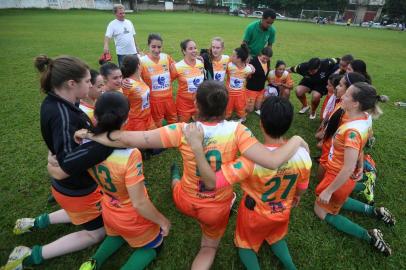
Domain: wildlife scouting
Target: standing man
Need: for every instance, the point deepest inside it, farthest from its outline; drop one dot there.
(261, 33)
(122, 31)
(315, 74)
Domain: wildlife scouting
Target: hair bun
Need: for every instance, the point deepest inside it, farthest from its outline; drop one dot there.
(42, 62)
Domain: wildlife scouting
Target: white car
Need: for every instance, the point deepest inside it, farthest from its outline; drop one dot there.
(279, 16)
(257, 14)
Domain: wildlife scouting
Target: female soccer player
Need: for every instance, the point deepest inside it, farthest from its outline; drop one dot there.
(215, 62)
(138, 95)
(330, 100)
(256, 82)
(87, 103)
(128, 214)
(330, 125)
(269, 195)
(237, 73)
(190, 74)
(361, 67)
(112, 77)
(223, 140)
(334, 190)
(158, 71)
(65, 79)
(280, 78)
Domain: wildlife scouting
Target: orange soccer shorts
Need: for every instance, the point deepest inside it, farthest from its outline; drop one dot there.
(140, 124)
(253, 228)
(254, 99)
(237, 104)
(212, 216)
(127, 223)
(163, 109)
(186, 109)
(80, 209)
(339, 196)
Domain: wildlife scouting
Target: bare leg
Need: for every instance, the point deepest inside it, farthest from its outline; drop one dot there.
(301, 94)
(72, 242)
(315, 101)
(204, 259)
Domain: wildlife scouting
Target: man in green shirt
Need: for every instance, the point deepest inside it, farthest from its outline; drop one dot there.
(259, 34)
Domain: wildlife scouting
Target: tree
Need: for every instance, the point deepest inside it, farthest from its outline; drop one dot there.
(396, 9)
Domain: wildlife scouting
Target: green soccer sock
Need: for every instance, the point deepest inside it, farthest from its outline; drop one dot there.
(359, 207)
(35, 258)
(140, 259)
(249, 258)
(345, 225)
(107, 248)
(280, 249)
(175, 172)
(42, 221)
(359, 187)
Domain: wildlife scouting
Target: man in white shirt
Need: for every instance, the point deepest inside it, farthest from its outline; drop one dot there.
(122, 31)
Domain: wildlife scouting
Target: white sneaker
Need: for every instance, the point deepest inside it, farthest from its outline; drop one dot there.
(23, 225)
(15, 260)
(312, 116)
(304, 109)
(258, 112)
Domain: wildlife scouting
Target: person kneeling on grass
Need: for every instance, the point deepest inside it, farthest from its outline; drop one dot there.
(269, 195)
(224, 140)
(334, 190)
(128, 214)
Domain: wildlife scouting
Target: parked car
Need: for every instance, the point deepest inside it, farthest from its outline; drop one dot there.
(257, 14)
(279, 16)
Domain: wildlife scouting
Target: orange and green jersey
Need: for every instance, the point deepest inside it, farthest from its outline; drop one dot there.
(189, 78)
(158, 75)
(354, 134)
(138, 96)
(237, 79)
(220, 68)
(121, 170)
(222, 142)
(272, 190)
(88, 109)
(284, 79)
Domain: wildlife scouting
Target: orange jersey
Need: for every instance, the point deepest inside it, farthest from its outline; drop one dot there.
(121, 170)
(284, 79)
(272, 190)
(88, 109)
(189, 78)
(354, 134)
(158, 75)
(220, 68)
(138, 96)
(237, 79)
(222, 142)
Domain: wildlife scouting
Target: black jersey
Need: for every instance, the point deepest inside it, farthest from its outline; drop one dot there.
(59, 121)
(327, 67)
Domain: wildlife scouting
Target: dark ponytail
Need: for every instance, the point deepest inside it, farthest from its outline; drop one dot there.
(242, 52)
(368, 98)
(211, 99)
(111, 111)
(54, 72)
(130, 65)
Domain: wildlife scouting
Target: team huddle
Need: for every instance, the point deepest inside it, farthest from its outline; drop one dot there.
(99, 125)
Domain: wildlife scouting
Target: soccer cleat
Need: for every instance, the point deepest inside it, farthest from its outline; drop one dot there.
(89, 265)
(304, 109)
(258, 112)
(385, 215)
(368, 193)
(312, 116)
(16, 258)
(378, 242)
(23, 225)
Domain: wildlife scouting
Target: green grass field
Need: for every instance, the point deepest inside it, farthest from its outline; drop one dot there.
(24, 184)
